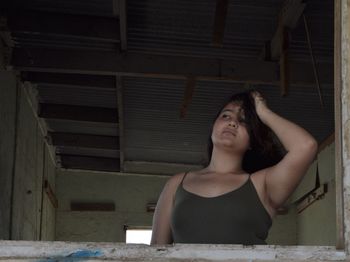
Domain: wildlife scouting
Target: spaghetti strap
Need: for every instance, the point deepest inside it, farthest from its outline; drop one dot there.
(183, 178)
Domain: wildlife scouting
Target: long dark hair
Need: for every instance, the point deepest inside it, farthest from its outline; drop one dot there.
(265, 148)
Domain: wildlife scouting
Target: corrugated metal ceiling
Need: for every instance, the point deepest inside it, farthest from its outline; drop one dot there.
(153, 129)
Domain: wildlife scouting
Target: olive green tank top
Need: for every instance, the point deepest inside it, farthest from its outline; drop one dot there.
(236, 217)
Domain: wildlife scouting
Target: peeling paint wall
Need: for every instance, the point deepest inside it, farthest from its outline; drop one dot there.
(129, 193)
(345, 103)
(7, 144)
(316, 224)
(32, 215)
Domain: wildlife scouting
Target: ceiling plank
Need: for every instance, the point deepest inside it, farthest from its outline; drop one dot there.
(119, 86)
(284, 62)
(289, 16)
(98, 81)
(68, 25)
(78, 113)
(123, 25)
(84, 140)
(90, 163)
(189, 90)
(135, 64)
(85, 151)
(220, 22)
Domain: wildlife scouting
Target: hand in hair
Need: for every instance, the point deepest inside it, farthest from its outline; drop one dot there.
(260, 102)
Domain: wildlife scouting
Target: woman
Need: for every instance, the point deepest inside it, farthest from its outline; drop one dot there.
(232, 200)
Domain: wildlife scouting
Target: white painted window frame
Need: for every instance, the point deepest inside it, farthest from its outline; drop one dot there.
(44, 251)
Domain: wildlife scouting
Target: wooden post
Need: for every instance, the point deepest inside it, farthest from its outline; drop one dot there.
(190, 85)
(284, 62)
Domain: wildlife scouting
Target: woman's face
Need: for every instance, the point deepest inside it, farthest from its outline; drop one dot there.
(230, 130)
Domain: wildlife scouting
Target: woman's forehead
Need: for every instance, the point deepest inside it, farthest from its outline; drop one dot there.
(235, 106)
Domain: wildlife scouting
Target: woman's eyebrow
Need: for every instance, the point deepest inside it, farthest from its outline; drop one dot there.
(227, 110)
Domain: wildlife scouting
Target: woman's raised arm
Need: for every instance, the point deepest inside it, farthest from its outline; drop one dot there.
(282, 178)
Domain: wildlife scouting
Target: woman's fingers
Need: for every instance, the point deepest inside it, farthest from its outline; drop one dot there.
(258, 98)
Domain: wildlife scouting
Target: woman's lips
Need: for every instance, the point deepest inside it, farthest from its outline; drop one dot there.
(229, 131)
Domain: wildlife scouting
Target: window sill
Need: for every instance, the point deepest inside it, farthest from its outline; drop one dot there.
(33, 250)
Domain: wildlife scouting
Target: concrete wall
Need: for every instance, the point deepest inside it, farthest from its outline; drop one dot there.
(7, 145)
(130, 194)
(25, 155)
(316, 225)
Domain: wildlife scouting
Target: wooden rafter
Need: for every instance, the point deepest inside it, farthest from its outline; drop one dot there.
(64, 25)
(289, 16)
(220, 22)
(90, 163)
(119, 9)
(78, 113)
(189, 90)
(84, 140)
(119, 86)
(98, 81)
(134, 64)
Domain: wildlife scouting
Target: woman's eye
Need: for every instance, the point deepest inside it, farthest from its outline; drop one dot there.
(225, 116)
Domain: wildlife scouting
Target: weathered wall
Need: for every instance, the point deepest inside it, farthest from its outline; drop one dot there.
(345, 107)
(68, 251)
(33, 165)
(316, 225)
(284, 229)
(7, 145)
(130, 194)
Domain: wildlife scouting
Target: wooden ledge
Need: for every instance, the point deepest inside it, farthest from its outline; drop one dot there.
(47, 251)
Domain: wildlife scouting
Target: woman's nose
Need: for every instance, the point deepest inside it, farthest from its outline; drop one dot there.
(233, 124)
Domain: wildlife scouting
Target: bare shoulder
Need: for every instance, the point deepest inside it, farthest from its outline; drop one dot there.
(176, 179)
(172, 183)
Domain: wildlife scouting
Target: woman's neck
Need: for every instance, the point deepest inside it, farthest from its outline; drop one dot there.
(225, 162)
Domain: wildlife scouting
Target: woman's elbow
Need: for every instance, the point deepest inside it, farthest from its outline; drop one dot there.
(311, 147)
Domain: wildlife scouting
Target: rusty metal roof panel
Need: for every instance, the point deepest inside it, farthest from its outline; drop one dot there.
(185, 27)
(154, 130)
(91, 7)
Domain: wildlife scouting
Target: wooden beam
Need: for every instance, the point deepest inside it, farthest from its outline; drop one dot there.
(86, 151)
(68, 25)
(98, 81)
(122, 22)
(114, 251)
(328, 141)
(90, 163)
(340, 31)
(284, 62)
(83, 206)
(289, 16)
(6, 43)
(119, 86)
(313, 196)
(78, 113)
(134, 64)
(189, 90)
(83, 140)
(220, 22)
